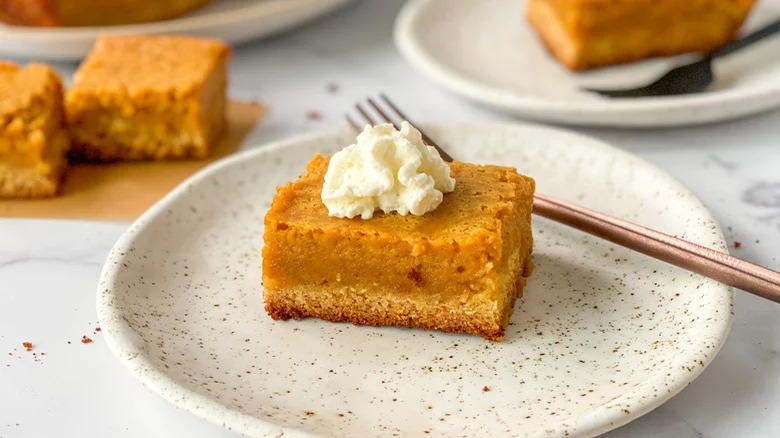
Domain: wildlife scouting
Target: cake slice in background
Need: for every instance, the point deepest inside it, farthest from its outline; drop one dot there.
(33, 139)
(148, 97)
(92, 12)
(585, 34)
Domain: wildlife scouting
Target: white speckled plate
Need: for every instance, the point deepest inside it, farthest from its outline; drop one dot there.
(602, 336)
(487, 52)
(234, 21)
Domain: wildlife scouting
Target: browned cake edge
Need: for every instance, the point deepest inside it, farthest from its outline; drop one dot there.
(381, 307)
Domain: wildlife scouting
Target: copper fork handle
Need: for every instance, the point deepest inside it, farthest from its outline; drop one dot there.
(687, 255)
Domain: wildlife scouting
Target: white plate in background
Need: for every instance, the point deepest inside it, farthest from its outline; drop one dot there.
(234, 21)
(602, 335)
(487, 52)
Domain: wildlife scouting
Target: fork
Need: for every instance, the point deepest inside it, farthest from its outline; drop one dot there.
(693, 77)
(687, 255)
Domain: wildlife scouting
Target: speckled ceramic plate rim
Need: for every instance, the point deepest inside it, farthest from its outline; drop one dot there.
(646, 112)
(123, 342)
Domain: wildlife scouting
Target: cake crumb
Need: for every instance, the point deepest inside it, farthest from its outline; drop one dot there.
(485, 388)
(85, 340)
(737, 244)
(27, 346)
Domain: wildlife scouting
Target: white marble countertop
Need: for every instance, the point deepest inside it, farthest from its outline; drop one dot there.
(49, 269)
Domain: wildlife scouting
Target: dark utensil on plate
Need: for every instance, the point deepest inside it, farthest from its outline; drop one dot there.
(693, 77)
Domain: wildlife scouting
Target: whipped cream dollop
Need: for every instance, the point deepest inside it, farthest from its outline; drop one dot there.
(386, 169)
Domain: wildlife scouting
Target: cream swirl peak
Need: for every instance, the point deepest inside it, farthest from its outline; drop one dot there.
(388, 170)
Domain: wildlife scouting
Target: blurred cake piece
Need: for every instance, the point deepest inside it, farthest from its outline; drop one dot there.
(148, 97)
(92, 12)
(585, 34)
(33, 139)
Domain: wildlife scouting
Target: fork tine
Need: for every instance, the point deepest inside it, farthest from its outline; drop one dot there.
(444, 155)
(352, 123)
(382, 113)
(403, 116)
(365, 114)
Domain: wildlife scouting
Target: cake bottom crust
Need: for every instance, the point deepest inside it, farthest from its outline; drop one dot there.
(106, 146)
(482, 313)
(375, 308)
(106, 136)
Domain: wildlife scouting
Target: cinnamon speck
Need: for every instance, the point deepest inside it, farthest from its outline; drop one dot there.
(85, 340)
(737, 244)
(485, 388)
(415, 276)
(97, 329)
(27, 346)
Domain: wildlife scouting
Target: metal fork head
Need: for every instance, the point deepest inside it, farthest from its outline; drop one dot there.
(383, 116)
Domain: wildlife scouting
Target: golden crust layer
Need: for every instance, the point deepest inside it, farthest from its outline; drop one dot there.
(92, 12)
(458, 268)
(585, 34)
(33, 138)
(148, 97)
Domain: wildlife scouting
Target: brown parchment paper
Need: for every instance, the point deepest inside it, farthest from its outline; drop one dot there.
(122, 191)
